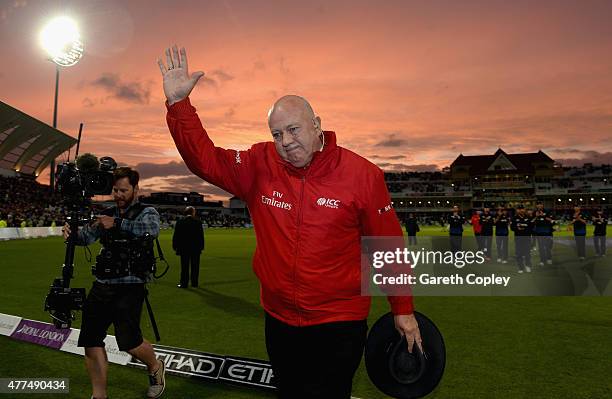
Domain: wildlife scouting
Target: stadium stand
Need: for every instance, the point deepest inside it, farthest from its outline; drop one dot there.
(26, 203)
(501, 179)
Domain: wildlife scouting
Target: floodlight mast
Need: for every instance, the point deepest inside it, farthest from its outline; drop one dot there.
(61, 40)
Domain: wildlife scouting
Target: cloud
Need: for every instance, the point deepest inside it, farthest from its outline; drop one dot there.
(88, 103)
(208, 81)
(594, 157)
(182, 184)
(391, 141)
(259, 65)
(216, 77)
(399, 167)
(148, 170)
(282, 66)
(7, 10)
(221, 75)
(390, 157)
(174, 176)
(133, 92)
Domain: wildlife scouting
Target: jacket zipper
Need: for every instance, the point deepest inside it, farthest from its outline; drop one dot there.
(297, 250)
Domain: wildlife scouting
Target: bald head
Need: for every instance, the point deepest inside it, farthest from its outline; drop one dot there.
(296, 130)
(292, 103)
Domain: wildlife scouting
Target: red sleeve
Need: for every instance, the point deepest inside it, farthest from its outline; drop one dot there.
(378, 219)
(227, 169)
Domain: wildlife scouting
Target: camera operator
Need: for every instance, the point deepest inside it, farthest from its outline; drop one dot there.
(124, 265)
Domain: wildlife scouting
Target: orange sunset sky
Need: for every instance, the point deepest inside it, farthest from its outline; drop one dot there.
(409, 85)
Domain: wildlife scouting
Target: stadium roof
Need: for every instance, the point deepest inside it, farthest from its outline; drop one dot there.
(28, 145)
(517, 163)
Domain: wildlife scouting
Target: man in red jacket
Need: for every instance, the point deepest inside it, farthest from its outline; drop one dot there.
(311, 201)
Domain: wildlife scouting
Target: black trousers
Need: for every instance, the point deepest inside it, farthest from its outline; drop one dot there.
(502, 247)
(455, 243)
(315, 361)
(545, 244)
(522, 245)
(486, 242)
(580, 246)
(478, 241)
(600, 245)
(191, 262)
(412, 240)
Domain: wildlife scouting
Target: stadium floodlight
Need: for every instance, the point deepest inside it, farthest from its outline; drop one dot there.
(62, 41)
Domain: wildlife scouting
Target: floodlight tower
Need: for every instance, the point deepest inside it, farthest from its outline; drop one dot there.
(62, 41)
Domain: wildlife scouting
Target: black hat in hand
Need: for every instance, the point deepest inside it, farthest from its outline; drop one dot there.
(397, 372)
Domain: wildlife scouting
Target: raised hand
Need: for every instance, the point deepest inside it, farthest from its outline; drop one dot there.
(177, 81)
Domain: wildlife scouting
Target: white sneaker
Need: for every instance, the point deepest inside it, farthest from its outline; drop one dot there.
(520, 271)
(527, 269)
(157, 382)
(549, 261)
(504, 261)
(541, 263)
(499, 260)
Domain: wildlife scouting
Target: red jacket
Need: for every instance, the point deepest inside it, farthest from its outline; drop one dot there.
(476, 223)
(308, 221)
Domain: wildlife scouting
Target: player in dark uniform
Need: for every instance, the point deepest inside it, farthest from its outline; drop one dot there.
(455, 230)
(412, 228)
(532, 241)
(502, 223)
(486, 232)
(543, 230)
(521, 225)
(580, 223)
(600, 221)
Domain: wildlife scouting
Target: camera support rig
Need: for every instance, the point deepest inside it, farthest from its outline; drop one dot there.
(62, 300)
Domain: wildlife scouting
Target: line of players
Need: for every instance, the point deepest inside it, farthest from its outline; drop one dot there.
(532, 229)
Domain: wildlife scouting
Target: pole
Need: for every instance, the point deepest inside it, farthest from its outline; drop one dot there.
(52, 175)
(78, 141)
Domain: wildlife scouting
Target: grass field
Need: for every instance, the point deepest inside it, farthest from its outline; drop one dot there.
(497, 347)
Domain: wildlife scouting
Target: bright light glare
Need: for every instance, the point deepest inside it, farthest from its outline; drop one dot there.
(61, 40)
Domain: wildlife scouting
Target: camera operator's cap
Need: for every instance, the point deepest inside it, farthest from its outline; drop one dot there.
(397, 372)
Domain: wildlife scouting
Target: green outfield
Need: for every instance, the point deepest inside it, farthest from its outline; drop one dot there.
(497, 347)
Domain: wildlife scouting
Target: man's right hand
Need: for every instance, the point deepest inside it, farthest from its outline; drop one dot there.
(66, 231)
(177, 81)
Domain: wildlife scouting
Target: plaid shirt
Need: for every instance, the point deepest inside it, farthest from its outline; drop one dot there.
(146, 222)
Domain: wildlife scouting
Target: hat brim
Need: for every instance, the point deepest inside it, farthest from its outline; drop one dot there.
(382, 338)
